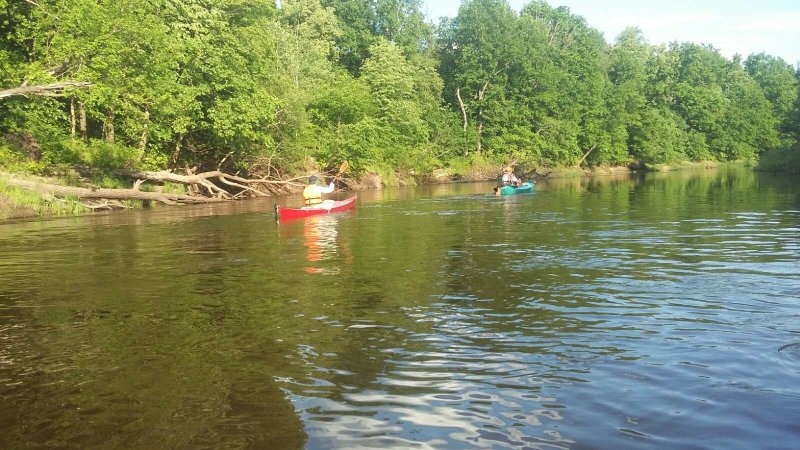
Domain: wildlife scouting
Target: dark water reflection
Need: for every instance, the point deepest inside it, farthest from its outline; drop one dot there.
(641, 312)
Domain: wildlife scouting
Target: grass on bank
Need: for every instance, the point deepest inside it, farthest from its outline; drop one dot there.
(17, 202)
(14, 199)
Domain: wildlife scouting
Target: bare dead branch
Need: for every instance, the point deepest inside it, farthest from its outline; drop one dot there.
(241, 186)
(585, 155)
(219, 166)
(45, 90)
(463, 109)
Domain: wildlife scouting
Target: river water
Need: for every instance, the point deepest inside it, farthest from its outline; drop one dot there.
(652, 311)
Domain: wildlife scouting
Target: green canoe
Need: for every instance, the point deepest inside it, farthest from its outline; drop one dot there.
(511, 190)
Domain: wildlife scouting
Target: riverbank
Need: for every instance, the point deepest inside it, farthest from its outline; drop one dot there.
(10, 210)
(17, 203)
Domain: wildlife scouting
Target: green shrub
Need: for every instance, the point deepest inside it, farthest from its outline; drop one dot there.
(785, 160)
(100, 154)
(8, 157)
(478, 166)
(14, 161)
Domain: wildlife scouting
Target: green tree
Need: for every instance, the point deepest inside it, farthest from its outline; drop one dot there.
(580, 62)
(780, 85)
(699, 97)
(656, 137)
(480, 51)
(391, 80)
(362, 22)
(748, 126)
(629, 58)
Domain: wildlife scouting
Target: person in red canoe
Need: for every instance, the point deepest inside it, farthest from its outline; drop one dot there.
(312, 194)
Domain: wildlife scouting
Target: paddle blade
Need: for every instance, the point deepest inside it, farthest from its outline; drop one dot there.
(343, 167)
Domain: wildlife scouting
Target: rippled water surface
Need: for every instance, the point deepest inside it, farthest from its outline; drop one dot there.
(644, 312)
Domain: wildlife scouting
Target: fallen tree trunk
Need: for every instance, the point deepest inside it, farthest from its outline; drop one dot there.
(112, 194)
(218, 187)
(204, 179)
(165, 175)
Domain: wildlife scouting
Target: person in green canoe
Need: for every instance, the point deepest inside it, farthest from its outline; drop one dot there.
(509, 179)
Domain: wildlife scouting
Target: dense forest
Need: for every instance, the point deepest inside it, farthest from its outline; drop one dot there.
(272, 89)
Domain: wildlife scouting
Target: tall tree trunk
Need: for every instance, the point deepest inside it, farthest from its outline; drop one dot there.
(177, 153)
(109, 125)
(83, 125)
(481, 96)
(464, 116)
(585, 155)
(73, 120)
(143, 138)
(480, 133)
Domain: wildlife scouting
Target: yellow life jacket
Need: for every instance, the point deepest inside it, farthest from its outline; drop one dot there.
(311, 195)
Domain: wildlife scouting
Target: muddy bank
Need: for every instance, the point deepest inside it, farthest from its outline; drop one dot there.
(9, 210)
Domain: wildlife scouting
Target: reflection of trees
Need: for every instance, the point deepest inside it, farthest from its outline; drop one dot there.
(178, 335)
(573, 251)
(384, 266)
(191, 336)
(139, 342)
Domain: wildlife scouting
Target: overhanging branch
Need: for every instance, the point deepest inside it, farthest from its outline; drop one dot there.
(45, 90)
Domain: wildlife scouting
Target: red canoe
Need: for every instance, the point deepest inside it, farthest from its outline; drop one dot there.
(291, 213)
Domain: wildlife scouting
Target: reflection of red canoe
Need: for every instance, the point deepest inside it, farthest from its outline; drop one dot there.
(290, 213)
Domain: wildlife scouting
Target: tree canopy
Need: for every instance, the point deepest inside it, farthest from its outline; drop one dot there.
(261, 86)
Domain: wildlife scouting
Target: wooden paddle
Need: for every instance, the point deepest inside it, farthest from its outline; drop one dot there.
(342, 168)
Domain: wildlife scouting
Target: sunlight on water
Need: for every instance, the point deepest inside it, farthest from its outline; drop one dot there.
(636, 312)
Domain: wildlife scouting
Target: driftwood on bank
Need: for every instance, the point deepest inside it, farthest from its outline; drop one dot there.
(134, 193)
(204, 187)
(235, 186)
